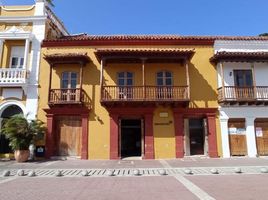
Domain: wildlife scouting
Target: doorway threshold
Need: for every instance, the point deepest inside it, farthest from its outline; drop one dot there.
(132, 158)
(65, 158)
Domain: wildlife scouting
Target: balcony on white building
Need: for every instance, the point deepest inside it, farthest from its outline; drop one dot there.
(13, 77)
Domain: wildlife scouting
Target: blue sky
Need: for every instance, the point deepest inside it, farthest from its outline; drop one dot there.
(183, 17)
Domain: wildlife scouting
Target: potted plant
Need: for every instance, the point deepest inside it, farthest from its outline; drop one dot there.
(21, 133)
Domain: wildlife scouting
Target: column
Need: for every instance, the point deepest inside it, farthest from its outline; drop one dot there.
(114, 136)
(225, 138)
(179, 135)
(84, 151)
(212, 137)
(149, 137)
(26, 52)
(222, 81)
(1, 50)
(50, 143)
(251, 139)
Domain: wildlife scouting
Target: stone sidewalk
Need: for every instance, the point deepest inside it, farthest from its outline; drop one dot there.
(156, 179)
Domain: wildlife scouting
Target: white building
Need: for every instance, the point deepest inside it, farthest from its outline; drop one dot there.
(22, 30)
(242, 68)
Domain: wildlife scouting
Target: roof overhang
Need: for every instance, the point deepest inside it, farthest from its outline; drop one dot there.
(67, 58)
(225, 56)
(148, 54)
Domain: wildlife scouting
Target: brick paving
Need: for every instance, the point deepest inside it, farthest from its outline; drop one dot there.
(125, 185)
(155, 188)
(231, 187)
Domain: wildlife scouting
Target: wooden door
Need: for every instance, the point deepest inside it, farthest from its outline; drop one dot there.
(238, 141)
(70, 136)
(261, 130)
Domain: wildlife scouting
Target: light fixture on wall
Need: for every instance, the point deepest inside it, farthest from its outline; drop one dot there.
(230, 73)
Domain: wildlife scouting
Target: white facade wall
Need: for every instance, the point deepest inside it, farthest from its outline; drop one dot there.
(261, 72)
(249, 113)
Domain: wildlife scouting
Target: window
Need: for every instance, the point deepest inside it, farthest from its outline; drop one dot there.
(243, 78)
(164, 78)
(125, 78)
(244, 84)
(69, 80)
(164, 83)
(17, 57)
(125, 81)
(68, 87)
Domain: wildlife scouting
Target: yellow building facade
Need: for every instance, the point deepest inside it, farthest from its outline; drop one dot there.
(111, 97)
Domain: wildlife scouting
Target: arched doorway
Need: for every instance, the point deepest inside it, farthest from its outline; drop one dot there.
(7, 113)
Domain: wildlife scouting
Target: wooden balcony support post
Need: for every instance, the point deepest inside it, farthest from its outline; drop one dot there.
(81, 80)
(187, 78)
(254, 80)
(101, 77)
(143, 60)
(26, 52)
(222, 80)
(49, 82)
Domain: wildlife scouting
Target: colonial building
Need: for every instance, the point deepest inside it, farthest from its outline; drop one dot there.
(242, 69)
(110, 97)
(22, 29)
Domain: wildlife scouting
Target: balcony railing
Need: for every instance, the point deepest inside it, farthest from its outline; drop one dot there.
(240, 94)
(66, 96)
(145, 93)
(13, 77)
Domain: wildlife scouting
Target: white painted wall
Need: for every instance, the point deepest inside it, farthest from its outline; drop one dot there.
(241, 45)
(250, 113)
(261, 72)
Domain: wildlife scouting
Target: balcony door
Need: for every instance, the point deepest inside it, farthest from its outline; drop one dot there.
(125, 83)
(17, 57)
(164, 85)
(244, 84)
(68, 86)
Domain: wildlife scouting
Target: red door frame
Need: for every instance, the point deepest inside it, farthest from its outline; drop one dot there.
(51, 134)
(147, 114)
(209, 114)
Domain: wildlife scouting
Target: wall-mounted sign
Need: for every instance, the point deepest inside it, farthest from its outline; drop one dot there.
(232, 131)
(241, 131)
(259, 132)
(163, 114)
(163, 123)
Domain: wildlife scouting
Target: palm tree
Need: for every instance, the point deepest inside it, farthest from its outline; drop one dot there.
(21, 133)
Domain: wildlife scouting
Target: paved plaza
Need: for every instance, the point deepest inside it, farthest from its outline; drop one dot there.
(188, 178)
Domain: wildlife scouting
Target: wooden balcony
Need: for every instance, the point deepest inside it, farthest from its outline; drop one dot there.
(66, 96)
(13, 77)
(243, 95)
(145, 94)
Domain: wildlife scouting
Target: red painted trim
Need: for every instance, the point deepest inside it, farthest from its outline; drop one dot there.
(149, 137)
(84, 148)
(179, 134)
(114, 137)
(209, 113)
(212, 137)
(126, 42)
(146, 113)
(49, 151)
(51, 136)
